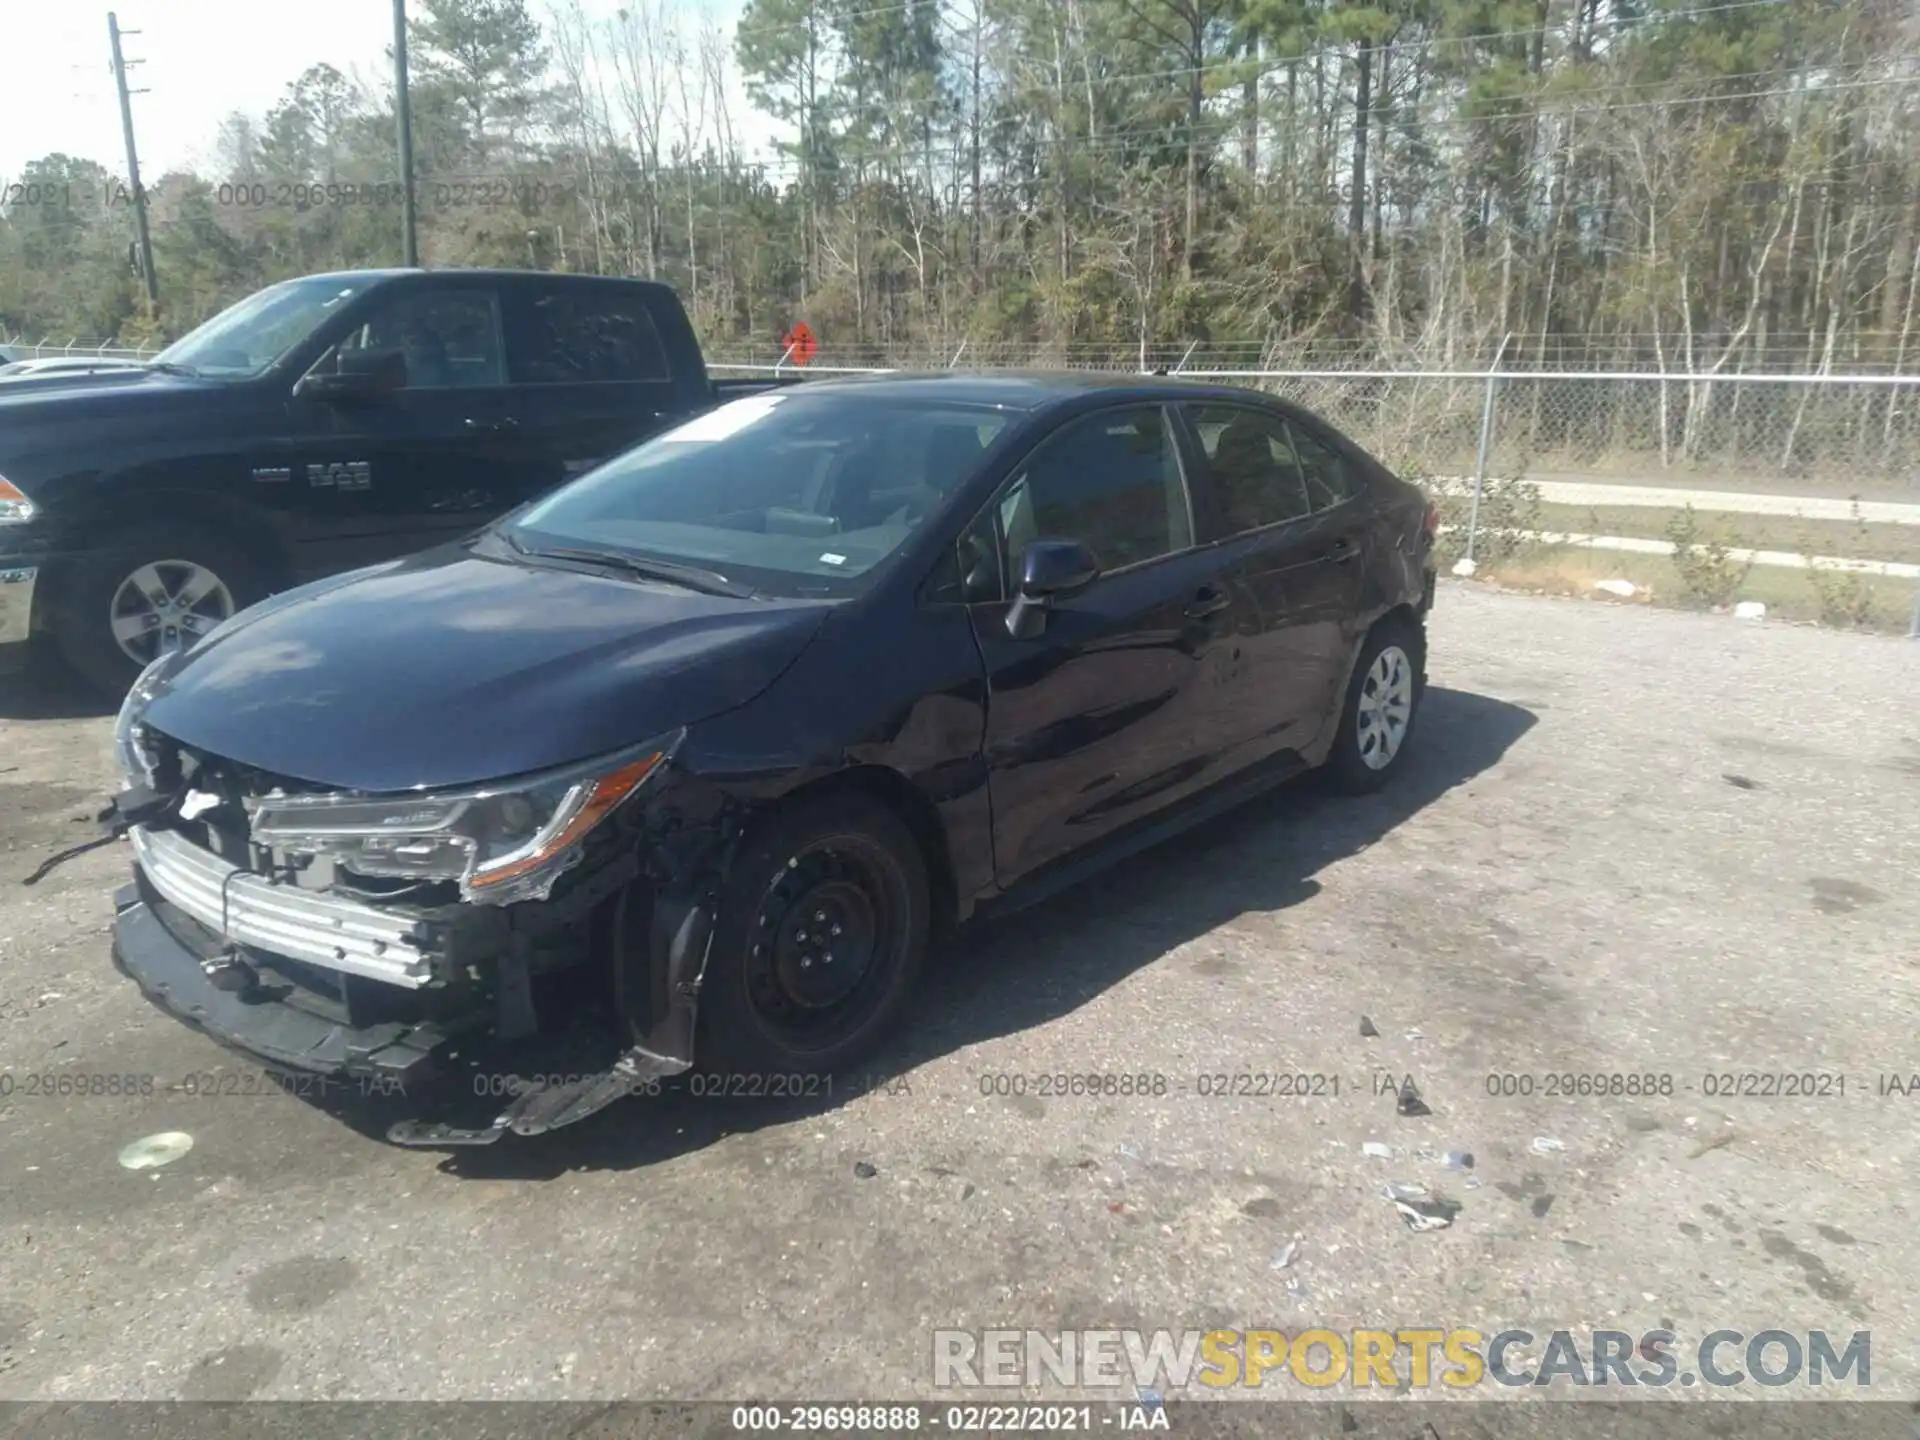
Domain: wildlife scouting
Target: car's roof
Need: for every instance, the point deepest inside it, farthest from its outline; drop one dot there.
(1025, 389)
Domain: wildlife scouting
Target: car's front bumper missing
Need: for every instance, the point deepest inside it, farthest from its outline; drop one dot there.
(166, 952)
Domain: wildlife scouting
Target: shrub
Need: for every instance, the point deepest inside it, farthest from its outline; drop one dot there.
(1709, 575)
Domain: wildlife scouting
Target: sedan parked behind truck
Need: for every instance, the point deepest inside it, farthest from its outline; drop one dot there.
(703, 747)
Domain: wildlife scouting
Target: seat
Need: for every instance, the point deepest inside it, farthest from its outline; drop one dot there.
(1255, 488)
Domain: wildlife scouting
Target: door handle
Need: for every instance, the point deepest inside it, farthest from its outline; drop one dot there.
(506, 422)
(1340, 551)
(1209, 601)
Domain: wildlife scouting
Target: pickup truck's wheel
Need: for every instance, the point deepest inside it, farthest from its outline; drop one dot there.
(1382, 699)
(147, 592)
(821, 931)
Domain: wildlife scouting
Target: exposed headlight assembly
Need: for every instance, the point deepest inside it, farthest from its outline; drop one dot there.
(503, 842)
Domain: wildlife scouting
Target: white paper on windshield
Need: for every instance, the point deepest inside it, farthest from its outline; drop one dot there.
(728, 419)
(832, 559)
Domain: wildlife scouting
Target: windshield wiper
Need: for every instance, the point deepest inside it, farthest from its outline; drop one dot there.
(693, 577)
(172, 367)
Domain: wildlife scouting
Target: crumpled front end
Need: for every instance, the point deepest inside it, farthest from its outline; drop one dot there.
(378, 937)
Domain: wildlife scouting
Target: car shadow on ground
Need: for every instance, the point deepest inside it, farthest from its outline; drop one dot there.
(47, 690)
(1033, 967)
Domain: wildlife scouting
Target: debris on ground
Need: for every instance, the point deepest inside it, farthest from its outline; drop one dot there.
(150, 1152)
(1375, 1150)
(1750, 610)
(1283, 1257)
(1741, 782)
(864, 1170)
(1416, 1034)
(1129, 1152)
(1367, 1032)
(1297, 1288)
(1410, 1104)
(1464, 566)
(1457, 1160)
(1397, 1190)
(1546, 1145)
(1724, 1138)
(1427, 1212)
(1625, 589)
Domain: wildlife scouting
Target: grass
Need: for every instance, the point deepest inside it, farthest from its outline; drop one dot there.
(1870, 602)
(1846, 539)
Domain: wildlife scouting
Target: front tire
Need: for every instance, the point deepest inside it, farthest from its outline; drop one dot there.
(148, 591)
(1382, 701)
(821, 933)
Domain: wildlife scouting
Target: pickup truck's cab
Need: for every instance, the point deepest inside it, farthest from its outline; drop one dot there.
(321, 424)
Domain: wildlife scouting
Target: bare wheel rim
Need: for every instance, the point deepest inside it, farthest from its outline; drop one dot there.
(1385, 709)
(828, 935)
(166, 605)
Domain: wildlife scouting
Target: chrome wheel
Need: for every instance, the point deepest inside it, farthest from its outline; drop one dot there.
(1385, 708)
(167, 605)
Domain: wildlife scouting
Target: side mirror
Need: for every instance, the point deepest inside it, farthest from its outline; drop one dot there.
(360, 374)
(1050, 570)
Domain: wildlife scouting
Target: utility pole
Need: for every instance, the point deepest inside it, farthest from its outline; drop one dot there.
(403, 118)
(120, 64)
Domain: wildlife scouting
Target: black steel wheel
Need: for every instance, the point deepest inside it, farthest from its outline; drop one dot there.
(821, 933)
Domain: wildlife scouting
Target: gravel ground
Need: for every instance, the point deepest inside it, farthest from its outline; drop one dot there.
(1631, 842)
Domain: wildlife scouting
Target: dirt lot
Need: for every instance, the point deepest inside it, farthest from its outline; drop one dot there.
(1633, 842)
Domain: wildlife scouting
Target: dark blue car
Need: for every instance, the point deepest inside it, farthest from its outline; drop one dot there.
(695, 753)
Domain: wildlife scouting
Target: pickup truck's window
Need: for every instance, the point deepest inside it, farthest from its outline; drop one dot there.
(597, 334)
(791, 493)
(451, 338)
(247, 338)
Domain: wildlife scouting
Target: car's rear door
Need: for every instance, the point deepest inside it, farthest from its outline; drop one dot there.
(1326, 599)
(1107, 715)
(591, 373)
(1278, 557)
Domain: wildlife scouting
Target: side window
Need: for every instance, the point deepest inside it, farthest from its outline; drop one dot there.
(1251, 462)
(451, 338)
(1329, 478)
(569, 335)
(1110, 480)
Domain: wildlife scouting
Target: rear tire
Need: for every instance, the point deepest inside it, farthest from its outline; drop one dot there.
(1382, 703)
(838, 881)
(146, 591)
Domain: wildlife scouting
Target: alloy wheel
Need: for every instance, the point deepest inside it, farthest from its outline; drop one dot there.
(167, 605)
(1385, 708)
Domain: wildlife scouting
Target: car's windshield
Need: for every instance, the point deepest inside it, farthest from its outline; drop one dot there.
(247, 338)
(791, 493)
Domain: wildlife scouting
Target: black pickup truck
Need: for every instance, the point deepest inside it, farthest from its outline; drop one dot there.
(321, 424)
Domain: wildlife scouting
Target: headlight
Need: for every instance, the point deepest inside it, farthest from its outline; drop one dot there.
(504, 843)
(129, 746)
(15, 507)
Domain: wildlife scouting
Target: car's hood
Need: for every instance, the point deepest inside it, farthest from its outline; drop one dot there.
(66, 396)
(450, 668)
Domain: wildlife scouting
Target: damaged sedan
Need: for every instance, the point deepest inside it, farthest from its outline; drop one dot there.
(687, 762)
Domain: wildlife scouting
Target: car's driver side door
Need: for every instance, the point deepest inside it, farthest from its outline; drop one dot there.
(1107, 713)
